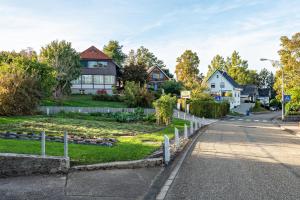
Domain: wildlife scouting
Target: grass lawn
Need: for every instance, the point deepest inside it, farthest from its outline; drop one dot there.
(82, 101)
(258, 109)
(135, 140)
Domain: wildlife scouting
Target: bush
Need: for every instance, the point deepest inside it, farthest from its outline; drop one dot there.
(172, 87)
(164, 109)
(209, 109)
(20, 93)
(136, 96)
(106, 97)
(275, 103)
(101, 92)
(292, 108)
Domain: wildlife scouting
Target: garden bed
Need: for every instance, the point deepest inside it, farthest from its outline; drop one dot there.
(135, 140)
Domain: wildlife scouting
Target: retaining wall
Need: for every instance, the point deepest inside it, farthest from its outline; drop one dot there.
(22, 164)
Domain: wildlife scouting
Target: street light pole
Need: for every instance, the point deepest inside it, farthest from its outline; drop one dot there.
(276, 63)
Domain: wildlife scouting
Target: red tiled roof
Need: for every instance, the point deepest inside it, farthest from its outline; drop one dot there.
(93, 53)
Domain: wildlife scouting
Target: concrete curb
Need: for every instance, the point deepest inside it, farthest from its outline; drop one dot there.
(290, 131)
(144, 163)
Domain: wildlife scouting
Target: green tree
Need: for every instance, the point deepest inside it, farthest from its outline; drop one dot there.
(164, 107)
(134, 72)
(65, 61)
(290, 59)
(20, 92)
(237, 68)
(172, 87)
(142, 56)
(27, 60)
(114, 50)
(137, 96)
(187, 68)
(217, 63)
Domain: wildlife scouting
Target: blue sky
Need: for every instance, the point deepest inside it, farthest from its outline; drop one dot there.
(167, 28)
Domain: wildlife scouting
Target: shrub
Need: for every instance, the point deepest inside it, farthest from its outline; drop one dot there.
(275, 102)
(164, 109)
(20, 93)
(209, 109)
(172, 87)
(101, 92)
(292, 108)
(136, 96)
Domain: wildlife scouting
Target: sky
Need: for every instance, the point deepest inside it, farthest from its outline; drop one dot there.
(167, 28)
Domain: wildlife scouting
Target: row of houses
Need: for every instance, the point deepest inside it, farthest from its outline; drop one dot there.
(100, 72)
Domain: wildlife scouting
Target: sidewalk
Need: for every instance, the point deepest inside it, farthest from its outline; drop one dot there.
(291, 127)
(129, 184)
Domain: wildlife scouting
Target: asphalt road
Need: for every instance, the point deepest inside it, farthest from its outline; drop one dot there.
(241, 158)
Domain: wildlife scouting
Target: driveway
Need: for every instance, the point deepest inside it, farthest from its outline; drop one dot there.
(243, 158)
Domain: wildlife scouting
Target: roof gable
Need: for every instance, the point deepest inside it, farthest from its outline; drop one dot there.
(92, 53)
(153, 67)
(227, 77)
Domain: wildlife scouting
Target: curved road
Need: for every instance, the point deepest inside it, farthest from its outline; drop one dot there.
(241, 158)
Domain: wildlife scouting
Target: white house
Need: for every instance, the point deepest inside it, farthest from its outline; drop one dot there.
(221, 84)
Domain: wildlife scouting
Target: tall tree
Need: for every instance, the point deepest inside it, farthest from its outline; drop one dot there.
(65, 61)
(114, 50)
(187, 68)
(237, 68)
(290, 59)
(217, 63)
(142, 56)
(134, 72)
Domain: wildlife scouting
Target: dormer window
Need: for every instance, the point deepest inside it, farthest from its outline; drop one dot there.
(212, 85)
(93, 64)
(217, 76)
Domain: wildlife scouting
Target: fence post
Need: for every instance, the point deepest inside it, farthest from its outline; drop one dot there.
(185, 131)
(178, 115)
(43, 143)
(177, 138)
(192, 128)
(166, 150)
(193, 117)
(48, 111)
(196, 125)
(66, 144)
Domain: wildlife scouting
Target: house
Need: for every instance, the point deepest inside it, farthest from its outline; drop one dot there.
(156, 76)
(221, 84)
(98, 73)
(249, 93)
(264, 96)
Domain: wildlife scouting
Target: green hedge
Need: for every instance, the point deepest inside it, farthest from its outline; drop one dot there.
(209, 109)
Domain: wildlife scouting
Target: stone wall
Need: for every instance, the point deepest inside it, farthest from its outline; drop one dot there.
(22, 164)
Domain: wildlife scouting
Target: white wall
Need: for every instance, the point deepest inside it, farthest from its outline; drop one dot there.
(217, 78)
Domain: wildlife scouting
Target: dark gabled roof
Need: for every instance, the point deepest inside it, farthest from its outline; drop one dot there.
(228, 78)
(93, 53)
(249, 90)
(265, 92)
(153, 67)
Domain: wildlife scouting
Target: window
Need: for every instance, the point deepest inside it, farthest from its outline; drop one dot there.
(77, 81)
(109, 80)
(217, 76)
(98, 79)
(155, 75)
(87, 79)
(212, 85)
(92, 64)
(222, 85)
